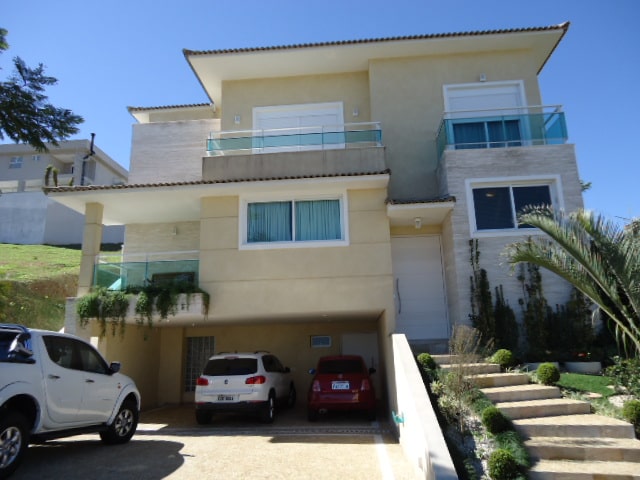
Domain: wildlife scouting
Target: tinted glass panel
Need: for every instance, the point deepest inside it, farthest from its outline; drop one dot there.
(231, 366)
(534, 196)
(493, 208)
(91, 360)
(269, 222)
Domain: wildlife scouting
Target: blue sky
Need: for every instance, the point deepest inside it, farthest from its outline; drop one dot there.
(108, 55)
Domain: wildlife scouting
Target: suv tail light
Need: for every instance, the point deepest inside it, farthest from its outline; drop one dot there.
(257, 380)
(202, 382)
(365, 386)
(316, 386)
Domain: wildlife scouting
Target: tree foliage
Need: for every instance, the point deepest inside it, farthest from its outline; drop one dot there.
(25, 113)
(596, 256)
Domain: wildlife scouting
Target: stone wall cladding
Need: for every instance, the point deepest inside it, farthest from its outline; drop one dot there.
(461, 165)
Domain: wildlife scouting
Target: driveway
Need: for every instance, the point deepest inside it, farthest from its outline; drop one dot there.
(169, 444)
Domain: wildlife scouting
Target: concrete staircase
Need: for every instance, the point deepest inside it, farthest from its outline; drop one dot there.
(564, 439)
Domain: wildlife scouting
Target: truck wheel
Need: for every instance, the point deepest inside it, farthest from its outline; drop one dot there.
(14, 440)
(123, 426)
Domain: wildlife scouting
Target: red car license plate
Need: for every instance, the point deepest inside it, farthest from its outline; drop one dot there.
(340, 385)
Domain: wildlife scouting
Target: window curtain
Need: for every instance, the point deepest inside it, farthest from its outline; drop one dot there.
(469, 135)
(269, 222)
(318, 220)
(505, 133)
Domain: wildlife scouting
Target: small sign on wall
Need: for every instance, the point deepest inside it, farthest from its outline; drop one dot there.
(320, 341)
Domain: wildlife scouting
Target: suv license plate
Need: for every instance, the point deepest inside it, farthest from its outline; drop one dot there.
(225, 398)
(340, 385)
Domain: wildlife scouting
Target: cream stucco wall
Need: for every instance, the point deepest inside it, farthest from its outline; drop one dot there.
(240, 97)
(268, 283)
(407, 98)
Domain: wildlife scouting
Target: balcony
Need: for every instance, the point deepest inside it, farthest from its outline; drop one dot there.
(350, 135)
(118, 271)
(501, 128)
(295, 152)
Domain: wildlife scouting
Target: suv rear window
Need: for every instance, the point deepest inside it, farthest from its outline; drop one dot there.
(230, 366)
(340, 366)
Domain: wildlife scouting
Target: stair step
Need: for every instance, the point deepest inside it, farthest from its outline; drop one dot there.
(574, 470)
(448, 358)
(596, 449)
(499, 379)
(514, 393)
(543, 408)
(471, 368)
(587, 426)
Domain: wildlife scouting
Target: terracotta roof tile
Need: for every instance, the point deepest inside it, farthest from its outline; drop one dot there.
(203, 182)
(166, 107)
(563, 26)
(447, 198)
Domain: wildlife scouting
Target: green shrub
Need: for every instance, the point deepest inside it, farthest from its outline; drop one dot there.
(631, 412)
(626, 375)
(494, 420)
(502, 465)
(504, 358)
(548, 374)
(426, 361)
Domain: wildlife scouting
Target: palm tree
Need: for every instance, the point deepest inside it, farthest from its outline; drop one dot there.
(593, 254)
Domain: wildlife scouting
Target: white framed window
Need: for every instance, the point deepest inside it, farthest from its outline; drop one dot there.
(15, 162)
(494, 204)
(293, 221)
(35, 158)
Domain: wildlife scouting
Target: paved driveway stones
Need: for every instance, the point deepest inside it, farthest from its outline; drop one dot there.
(169, 444)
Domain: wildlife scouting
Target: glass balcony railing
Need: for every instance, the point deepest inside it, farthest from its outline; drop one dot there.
(501, 128)
(117, 272)
(348, 135)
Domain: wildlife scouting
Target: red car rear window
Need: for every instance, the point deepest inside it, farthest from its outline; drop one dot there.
(340, 366)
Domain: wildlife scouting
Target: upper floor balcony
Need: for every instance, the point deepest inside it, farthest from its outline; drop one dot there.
(501, 128)
(118, 272)
(290, 152)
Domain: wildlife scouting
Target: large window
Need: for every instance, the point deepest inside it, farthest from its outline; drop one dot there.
(291, 221)
(497, 207)
(15, 162)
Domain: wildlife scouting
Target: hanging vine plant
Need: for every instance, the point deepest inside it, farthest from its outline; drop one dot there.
(110, 307)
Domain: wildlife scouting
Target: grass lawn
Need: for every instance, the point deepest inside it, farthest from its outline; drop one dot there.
(581, 383)
(24, 263)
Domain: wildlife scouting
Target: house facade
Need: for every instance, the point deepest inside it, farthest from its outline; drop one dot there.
(325, 198)
(27, 215)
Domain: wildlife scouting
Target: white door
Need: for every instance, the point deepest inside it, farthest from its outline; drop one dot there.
(299, 127)
(421, 307)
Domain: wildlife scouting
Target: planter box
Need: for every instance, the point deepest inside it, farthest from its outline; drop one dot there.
(188, 307)
(583, 367)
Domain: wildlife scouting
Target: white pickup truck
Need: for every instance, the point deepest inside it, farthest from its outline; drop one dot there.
(55, 385)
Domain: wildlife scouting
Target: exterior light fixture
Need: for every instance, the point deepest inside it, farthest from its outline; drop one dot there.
(417, 222)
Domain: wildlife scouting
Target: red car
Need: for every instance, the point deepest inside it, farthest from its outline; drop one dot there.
(341, 382)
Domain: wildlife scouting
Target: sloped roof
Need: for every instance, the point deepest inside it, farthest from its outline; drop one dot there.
(212, 67)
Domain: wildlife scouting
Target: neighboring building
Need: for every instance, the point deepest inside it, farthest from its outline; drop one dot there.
(27, 215)
(326, 196)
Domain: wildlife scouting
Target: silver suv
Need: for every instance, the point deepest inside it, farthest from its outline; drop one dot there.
(241, 382)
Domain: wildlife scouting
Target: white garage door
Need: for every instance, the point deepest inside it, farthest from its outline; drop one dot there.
(421, 308)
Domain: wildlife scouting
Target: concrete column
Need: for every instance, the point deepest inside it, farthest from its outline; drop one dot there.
(91, 241)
